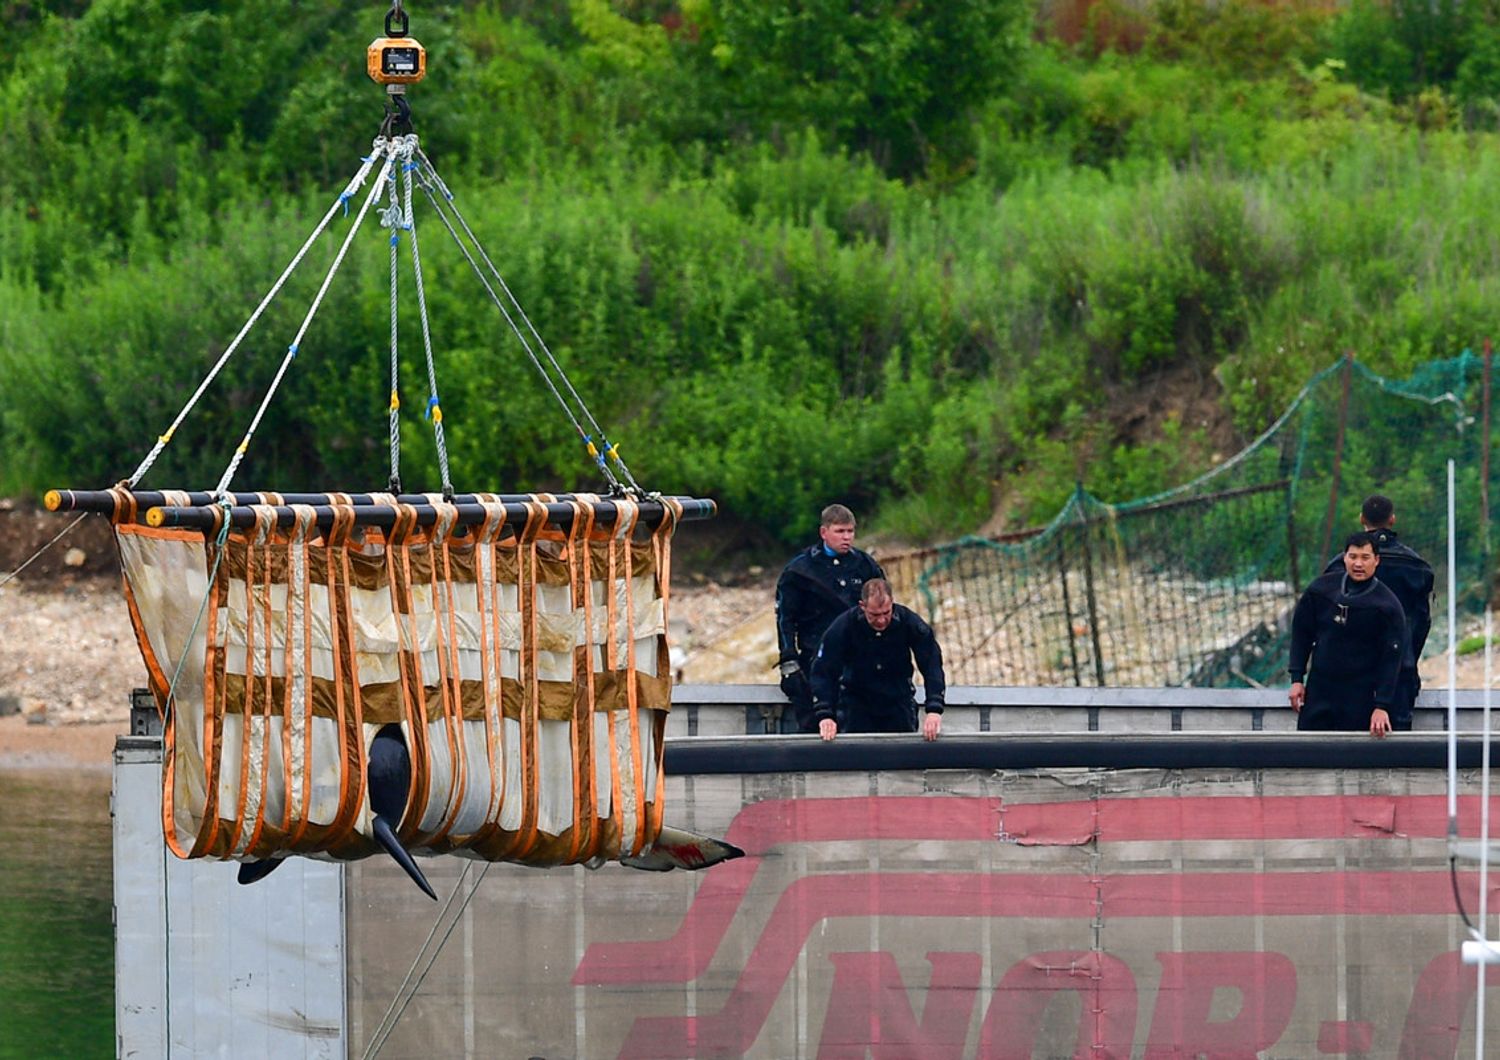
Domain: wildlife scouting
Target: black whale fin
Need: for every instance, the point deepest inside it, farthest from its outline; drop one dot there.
(389, 773)
(255, 871)
(385, 835)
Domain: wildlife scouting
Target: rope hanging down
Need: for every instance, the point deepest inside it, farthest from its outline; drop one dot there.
(393, 221)
(342, 202)
(389, 150)
(416, 169)
(434, 409)
(396, 61)
(440, 196)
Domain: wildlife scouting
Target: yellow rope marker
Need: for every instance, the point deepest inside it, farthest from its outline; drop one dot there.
(165, 438)
(593, 450)
(437, 414)
(395, 401)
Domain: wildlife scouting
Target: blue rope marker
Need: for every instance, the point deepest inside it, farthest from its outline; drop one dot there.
(344, 202)
(292, 349)
(432, 403)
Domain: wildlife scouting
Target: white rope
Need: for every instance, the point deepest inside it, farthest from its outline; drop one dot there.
(434, 407)
(291, 350)
(427, 189)
(605, 448)
(349, 189)
(1484, 829)
(37, 554)
(397, 1007)
(1452, 669)
(393, 222)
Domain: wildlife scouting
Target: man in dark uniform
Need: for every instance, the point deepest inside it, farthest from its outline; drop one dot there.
(818, 585)
(862, 676)
(1409, 576)
(1353, 629)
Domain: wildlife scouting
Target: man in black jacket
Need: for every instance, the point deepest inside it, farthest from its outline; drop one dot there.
(819, 584)
(862, 676)
(1409, 576)
(1353, 629)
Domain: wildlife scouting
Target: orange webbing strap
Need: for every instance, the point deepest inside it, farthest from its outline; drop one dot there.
(450, 678)
(209, 823)
(627, 515)
(612, 664)
(527, 578)
(348, 706)
(661, 544)
(297, 717)
(242, 839)
(487, 595)
(581, 727)
(413, 692)
(124, 503)
(598, 832)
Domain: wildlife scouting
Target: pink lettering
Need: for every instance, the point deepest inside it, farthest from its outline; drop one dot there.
(870, 1014)
(1440, 1002)
(1014, 1021)
(1181, 1025)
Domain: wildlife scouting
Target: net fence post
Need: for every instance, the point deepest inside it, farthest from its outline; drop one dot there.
(1338, 454)
(1484, 479)
(1062, 574)
(1088, 587)
(1291, 536)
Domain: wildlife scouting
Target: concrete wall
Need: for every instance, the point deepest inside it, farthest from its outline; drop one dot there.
(724, 710)
(205, 967)
(971, 910)
(958, 914)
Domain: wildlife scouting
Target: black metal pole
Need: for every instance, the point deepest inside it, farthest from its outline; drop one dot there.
(105, 501)
(561, 515)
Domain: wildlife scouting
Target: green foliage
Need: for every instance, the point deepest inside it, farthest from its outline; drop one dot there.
(894, 79)
(1400, 47)
(1472, 645)
(904, 256)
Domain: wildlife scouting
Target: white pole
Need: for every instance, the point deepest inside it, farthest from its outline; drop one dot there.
(1452, 672)
(1484, 832)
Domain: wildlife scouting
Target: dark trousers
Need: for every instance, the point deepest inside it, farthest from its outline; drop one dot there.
(797, 715)
(874, 715)
(1339, 706)
(1408, 684)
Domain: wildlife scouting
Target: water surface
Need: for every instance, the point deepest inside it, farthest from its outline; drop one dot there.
(56, 901)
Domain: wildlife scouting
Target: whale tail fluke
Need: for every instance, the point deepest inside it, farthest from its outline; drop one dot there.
(255, 871)
(677, 848)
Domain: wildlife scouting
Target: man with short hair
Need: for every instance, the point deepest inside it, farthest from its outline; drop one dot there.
(819, 584)
(1351, 628)
(1409, 576)
(862, 676)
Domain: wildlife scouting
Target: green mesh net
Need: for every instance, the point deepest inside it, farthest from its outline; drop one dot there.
(1195, 586)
